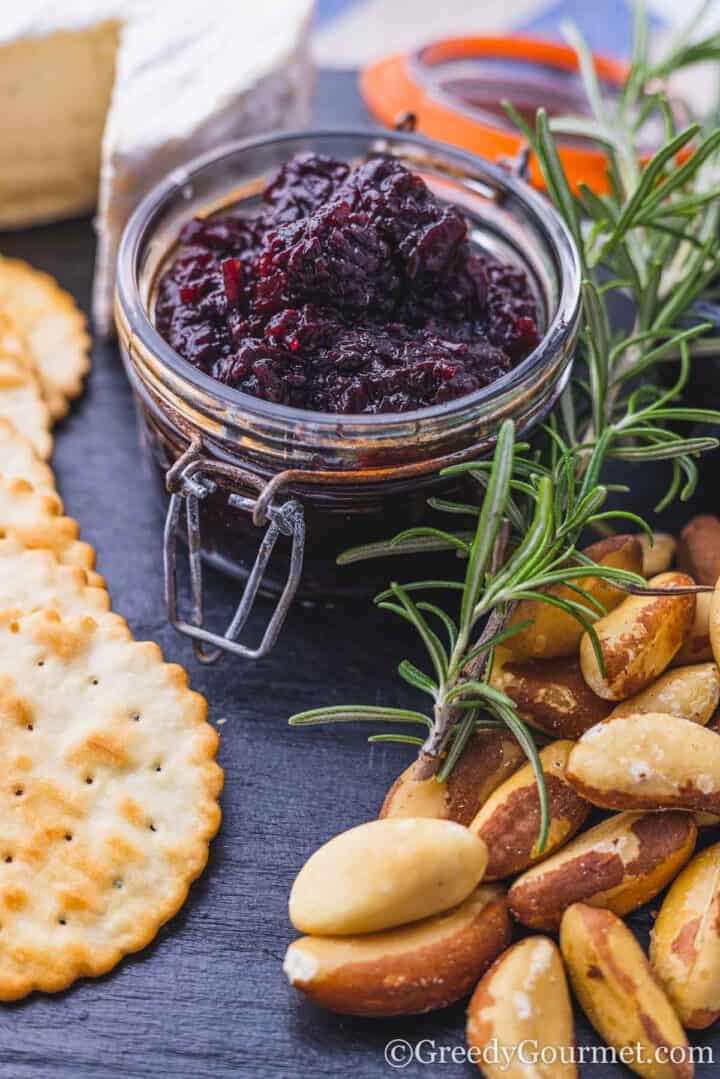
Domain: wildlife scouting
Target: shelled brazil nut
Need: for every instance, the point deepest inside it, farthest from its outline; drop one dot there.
(386, 873)
(489, 758)
(687, 692)
(648, 761)
(699, 548)
(550, 694)
(658, 556)
(685, 942)
(509, 822)
(554, 633)
(620, 995)
(407, 970)
(638, 639)
(696, 647)
(523, 1000)
(621, 863)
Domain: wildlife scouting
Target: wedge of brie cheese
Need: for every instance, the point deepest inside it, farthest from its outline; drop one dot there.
(56, 81)
(111, 95)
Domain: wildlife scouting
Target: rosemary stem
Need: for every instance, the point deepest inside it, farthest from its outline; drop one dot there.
(444, 714)
(435, 743)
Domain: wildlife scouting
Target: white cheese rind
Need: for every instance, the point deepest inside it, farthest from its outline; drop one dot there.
(117, 93)
(178, 98)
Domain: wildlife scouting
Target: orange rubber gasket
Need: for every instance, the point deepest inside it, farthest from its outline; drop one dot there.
(390, 91)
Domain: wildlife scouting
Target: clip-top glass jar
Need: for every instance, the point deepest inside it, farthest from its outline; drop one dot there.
(271, 493)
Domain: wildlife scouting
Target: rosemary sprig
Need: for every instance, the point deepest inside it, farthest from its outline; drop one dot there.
(653, 238)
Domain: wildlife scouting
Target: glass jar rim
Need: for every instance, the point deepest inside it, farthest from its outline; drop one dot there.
(130, 303)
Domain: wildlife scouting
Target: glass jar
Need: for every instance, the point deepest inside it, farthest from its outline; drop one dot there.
(319, 483)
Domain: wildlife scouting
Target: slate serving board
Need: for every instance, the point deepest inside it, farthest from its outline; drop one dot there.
(208, 997)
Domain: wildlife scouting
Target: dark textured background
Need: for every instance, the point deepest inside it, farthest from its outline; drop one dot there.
(208, 997)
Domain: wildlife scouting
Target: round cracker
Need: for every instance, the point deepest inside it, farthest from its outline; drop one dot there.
(53, 326)
(108, 799)
(35, 580)
(12, 345)
(19, 457)
(35, 520)
(22, 402)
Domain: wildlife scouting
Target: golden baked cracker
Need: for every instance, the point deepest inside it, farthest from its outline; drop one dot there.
(22, 402)
(108, 796)
(35, 519)
(35, 580)
(19, 458)
(13, 346)
(53, 326)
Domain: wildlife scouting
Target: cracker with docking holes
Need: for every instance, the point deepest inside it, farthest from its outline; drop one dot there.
(35, 580)
(53, 326)
(35, 519)
(22, 402)
(108, 796)
(19, 458)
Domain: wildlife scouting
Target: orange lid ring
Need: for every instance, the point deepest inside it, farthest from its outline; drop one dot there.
(395, 87)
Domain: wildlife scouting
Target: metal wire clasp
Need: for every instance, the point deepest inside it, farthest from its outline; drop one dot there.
(190, 481)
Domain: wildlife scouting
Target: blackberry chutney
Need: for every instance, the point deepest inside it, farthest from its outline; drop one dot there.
(246, 472)
(353, 290)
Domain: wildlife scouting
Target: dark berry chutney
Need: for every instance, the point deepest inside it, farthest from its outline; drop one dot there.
(352, 290)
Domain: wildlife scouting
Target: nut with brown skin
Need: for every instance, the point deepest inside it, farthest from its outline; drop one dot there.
(550, 694)
(714, 623)
(649, 761)
(696, 648)
(638, 640)
(618, 992)
(489, 758)
(685, 946)
(658, 556)
(509, 822)
(699, 549)
(405, 971)
(688, 692)
(385, 873)
(621, 863)
(523, 1000)
(554, 633)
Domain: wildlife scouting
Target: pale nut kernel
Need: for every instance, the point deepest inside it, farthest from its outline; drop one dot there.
(405, 971)
(638, 640)
(620, 995)
(685, 943)
(509, 822)
(490, 757)
(523, 1000)
(688, 692)
(386, 873)
(658, 557)
(554, 633)
(621, 864)
(648, 761)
